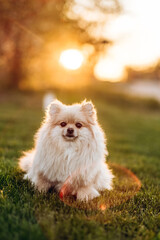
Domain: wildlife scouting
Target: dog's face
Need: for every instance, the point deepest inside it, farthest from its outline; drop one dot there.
(71, 123)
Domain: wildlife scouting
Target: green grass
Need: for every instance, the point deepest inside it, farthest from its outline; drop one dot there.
(133, 131)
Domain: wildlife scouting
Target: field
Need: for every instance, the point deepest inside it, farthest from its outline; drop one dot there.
(133, 132)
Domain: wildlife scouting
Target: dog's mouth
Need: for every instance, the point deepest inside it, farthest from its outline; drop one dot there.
(69, 137)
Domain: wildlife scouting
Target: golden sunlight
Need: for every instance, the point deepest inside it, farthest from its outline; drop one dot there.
(71, 59)
(107, 69)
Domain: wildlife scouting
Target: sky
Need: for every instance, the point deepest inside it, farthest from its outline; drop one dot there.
(136, 36)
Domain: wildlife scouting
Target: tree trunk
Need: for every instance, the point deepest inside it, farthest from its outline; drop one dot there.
(16, 63)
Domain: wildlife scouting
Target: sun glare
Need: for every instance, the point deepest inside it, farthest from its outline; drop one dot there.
(71, 59)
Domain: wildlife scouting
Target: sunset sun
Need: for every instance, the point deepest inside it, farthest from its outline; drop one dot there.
(71, 59)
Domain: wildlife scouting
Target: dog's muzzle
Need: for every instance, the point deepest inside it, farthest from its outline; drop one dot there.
(69, 136)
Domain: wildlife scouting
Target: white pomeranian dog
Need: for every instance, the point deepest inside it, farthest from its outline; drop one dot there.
(69, 153)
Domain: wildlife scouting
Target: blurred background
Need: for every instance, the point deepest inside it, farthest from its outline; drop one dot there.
(67, 44)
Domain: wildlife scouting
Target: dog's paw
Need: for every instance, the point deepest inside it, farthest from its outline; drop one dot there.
(109, 187)
(43, 188)
(104, 187)
(87, 193)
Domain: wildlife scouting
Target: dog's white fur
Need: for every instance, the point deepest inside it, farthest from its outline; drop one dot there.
(72, 165)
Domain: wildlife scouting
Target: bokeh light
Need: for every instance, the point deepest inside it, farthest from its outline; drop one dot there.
(108, 69)
(71, 59)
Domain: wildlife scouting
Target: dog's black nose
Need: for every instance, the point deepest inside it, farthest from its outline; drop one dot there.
(70, 130)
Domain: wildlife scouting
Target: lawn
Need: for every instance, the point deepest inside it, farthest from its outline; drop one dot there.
(133, 132)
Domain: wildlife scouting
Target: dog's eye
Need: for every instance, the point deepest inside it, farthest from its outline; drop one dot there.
(63, 124)
(78, 125)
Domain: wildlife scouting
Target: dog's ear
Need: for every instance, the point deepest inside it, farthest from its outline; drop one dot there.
(54, 108)
(88, 109)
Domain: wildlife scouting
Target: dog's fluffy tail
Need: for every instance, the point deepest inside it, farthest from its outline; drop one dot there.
(25, 162)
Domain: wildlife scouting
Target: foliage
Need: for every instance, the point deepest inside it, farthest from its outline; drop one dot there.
(27, 30)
